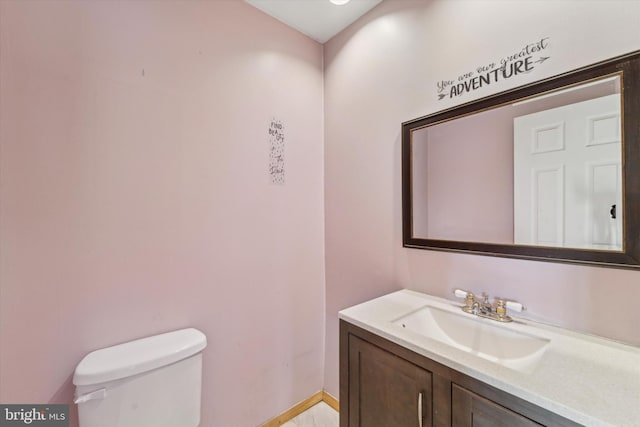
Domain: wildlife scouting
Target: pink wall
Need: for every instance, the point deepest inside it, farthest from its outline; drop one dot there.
(383, 71)
(135, 196)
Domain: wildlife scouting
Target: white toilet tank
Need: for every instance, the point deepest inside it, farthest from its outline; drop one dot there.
(154, 381)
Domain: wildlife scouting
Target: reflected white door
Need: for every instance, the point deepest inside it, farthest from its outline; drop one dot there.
(568, 176)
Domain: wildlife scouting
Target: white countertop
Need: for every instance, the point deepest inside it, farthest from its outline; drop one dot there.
(587, 379)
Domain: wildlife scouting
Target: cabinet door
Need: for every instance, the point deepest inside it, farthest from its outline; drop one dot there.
(472, 410)
(386, 390)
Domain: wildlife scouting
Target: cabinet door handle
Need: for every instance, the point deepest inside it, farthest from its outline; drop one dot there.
(420, 409)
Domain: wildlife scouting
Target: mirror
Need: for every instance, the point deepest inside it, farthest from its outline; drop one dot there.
(547, 171)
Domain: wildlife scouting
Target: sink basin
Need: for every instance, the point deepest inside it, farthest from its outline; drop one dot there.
(484, 338)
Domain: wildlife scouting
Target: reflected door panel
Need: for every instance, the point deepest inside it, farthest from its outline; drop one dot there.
(604, 219)
(567, 176)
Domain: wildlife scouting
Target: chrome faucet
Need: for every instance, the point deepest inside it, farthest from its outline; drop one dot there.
(484, 308)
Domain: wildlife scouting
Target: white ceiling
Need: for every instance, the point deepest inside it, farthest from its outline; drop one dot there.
(318, 19)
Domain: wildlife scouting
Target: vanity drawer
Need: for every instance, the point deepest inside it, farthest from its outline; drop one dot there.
(472, 410)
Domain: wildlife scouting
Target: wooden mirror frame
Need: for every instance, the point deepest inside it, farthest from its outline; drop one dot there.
(628, 68)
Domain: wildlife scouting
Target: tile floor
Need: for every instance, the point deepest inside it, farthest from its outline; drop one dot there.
(319, 415)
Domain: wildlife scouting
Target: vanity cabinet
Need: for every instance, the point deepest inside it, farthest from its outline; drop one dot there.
(383, 384)
(386, 389)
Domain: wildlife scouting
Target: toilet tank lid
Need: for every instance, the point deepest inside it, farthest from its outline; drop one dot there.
(135, 357)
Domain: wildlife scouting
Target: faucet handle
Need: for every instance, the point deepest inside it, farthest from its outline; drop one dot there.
(460, 293)
(468, 296)
(515, 306)
(469, 300)
(501, 309)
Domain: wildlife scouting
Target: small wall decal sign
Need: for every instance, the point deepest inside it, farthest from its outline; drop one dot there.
(276, 152)
(521, 62)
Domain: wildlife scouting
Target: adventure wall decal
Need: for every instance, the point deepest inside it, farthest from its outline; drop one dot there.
(522, 62)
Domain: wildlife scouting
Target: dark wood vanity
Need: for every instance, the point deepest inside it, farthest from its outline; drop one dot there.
(383, 384)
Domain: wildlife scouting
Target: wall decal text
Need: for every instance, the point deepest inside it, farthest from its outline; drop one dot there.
(521, 62)
(276, 152)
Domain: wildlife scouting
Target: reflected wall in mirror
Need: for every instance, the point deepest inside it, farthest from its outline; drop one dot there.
(547, 171)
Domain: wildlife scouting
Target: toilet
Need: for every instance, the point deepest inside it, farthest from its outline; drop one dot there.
(154, 381)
